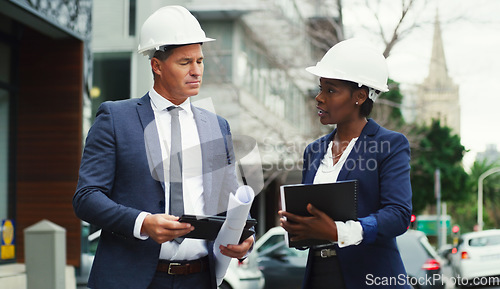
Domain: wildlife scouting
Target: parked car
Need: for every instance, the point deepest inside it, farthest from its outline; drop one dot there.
(243, 275)
(445, 252)
(477, 255)
(283, 267)
(89, 246)
(422, 263)
(239, 275)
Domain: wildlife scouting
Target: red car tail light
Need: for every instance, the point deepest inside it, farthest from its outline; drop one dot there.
(431, 264)
(465, 255)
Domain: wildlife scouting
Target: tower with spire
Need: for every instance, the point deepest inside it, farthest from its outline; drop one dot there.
(438, 96)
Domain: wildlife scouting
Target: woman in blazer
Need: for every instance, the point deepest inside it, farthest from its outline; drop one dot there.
(363, 252)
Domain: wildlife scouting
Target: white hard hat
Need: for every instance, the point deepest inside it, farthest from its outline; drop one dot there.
(170, 25)
(353, 60)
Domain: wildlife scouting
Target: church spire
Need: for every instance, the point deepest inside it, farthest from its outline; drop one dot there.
(438, 94)
(438, 71)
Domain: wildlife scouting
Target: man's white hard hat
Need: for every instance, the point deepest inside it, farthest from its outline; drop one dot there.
(170, 25)
(353, 60)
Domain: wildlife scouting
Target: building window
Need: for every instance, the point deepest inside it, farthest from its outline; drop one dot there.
(4, 153)
(111, 78)
(218, 54)
(131, 17)
(7, 60)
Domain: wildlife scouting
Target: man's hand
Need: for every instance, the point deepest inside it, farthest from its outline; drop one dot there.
(237, 251)
(163, 228)
(318, 226)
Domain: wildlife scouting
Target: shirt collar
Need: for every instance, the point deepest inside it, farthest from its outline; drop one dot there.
(160, 103)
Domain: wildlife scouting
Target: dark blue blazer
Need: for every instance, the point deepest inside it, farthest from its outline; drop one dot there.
(380, 161)
(116, 183)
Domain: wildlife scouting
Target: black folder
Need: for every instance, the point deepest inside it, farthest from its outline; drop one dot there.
(338, 200)
(208, 227)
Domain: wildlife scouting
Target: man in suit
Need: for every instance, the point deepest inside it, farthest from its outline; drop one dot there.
(143, 156)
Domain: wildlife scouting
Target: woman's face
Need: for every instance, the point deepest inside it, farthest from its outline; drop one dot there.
(335, 102)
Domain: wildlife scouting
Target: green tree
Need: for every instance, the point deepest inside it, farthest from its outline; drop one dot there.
(387, 108)
(438, 149)
(491, 197)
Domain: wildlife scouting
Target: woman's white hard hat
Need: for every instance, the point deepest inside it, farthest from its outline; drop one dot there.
(170, 25)
(353, 60)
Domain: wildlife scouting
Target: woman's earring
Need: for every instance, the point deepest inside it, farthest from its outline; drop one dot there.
(356, 102)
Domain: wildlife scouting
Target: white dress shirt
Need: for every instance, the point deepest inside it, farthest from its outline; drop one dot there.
(192, 175)
(350, 232)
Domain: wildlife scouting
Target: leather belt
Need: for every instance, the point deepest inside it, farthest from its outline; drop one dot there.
(183, 267)
(325, 253)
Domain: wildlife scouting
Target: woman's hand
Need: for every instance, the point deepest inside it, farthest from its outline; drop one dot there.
(318, 226)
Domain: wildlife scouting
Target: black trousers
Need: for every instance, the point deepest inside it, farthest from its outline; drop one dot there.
(326, 274)
(163, 280)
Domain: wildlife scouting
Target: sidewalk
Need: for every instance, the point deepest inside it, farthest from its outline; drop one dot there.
(14, 276)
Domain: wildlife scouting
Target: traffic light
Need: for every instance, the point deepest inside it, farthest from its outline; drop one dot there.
(455, 230)
(413, 225)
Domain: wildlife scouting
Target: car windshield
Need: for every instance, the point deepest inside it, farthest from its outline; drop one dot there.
(484, 241)
(273, 240)
(282, 249)
(411, 246)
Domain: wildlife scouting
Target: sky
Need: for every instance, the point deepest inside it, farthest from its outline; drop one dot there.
(471, 38)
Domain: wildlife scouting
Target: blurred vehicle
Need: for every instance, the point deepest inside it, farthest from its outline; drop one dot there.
(89, 246)
(477, 255)
(445, 252)
(243, 275)
(421, 261)
(283, 267)
(239, 275)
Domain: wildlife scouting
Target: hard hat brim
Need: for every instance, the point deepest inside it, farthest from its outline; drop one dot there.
(318, 71)
(156, 47)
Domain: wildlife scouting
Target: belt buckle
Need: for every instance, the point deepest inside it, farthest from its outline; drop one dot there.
(325, 253)
(170, 268)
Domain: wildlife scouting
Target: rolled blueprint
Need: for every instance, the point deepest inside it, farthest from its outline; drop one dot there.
(230, 232)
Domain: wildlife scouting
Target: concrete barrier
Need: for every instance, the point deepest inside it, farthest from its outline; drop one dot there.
(45, 256)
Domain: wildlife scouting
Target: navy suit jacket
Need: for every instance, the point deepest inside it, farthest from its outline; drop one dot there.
(380, 162)
(116, 183)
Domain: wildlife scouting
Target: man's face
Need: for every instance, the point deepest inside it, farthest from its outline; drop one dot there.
(179, 76)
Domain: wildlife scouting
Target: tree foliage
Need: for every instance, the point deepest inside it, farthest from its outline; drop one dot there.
(438, 149)
(491, 192)
(387, 108)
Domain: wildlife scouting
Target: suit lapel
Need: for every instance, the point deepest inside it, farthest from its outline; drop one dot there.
(146, 114)
(317, 156)
(151, 139)
(358, 153)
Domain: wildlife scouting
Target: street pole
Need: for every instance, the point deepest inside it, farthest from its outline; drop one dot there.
(437, 194)
(480, 195)
(444, 228)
